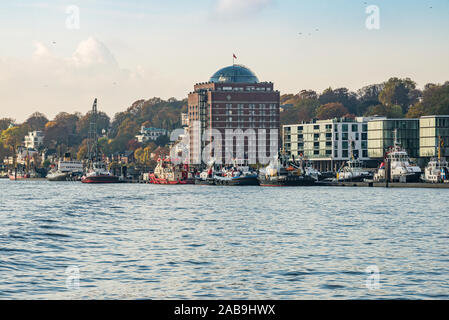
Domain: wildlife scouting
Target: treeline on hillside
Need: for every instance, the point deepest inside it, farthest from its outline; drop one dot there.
(395, 98)
(68, 132)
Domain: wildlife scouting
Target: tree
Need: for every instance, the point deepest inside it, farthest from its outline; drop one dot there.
(83, 124)
(341, 95)
(37, 121)
(400, 92)
(5, 123)
(368, 96)
(394, 111)
(162, 141)
(435, 101)
(331, 111)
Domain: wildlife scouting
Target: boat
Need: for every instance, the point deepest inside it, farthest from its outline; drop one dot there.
(168, 173)
(206, 177)
(236, 176)
(19, 175)
(400, 166)
(354, 171)
(57, 175)
(437, 170)
(99, 174)
(282, 172)
(96, 171)
(66, 170)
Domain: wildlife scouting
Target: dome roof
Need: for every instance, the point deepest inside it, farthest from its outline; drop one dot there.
(236, 74)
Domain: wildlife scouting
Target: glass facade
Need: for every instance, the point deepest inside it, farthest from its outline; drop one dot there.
(431, 128)
(381, 136)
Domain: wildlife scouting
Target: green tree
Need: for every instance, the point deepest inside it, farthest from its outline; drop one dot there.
(400, 92)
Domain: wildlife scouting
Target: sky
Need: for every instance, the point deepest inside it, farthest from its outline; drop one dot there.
(59, 55)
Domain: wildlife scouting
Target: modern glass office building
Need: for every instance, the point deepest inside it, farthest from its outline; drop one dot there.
(381, 135)
(328, 143)
(431, 128)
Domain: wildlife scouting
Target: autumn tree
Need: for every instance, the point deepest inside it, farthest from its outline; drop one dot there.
(331, 111)
(36, 121)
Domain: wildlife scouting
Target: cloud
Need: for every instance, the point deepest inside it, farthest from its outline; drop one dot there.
(238, 8)
(49, 83)
(93, 52)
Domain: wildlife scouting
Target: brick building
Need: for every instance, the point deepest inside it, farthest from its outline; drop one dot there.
(235, 99)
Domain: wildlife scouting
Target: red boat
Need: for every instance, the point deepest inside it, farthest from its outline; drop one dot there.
(99, 174)
(168, 173)
(19, 176)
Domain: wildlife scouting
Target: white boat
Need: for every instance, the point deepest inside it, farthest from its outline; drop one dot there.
(57, 175)
(437, 170)
(354, 171)
(402, 169)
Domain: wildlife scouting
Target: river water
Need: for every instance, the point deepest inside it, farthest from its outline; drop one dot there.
(66, 240)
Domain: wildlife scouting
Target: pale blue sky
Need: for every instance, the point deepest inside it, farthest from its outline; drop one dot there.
(127, 50)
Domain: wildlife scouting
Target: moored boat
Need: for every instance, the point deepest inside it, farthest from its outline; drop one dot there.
(283, 173)
(99, 174)
(437, 170)
(168, 173)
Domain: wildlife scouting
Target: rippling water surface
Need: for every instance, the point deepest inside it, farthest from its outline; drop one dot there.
(135, 241)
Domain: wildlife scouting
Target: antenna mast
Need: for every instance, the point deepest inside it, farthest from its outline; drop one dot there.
(92, 142)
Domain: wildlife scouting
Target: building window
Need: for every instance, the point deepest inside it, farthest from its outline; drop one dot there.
(364, 136)
(355, 128)
(316, 127)
(316, 136)
(336, 136)
(365, 153)
(344, 127)
(357, 136)
(344, 154)
(344, 144)
(344, 136)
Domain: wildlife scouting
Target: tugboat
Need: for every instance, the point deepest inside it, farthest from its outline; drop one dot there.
(282, 172)
(236, 175)
(437, 170)
(402, 169)
(19, 175)
(168, 173)
(97, 172)
(353, 171)
(57, 175)
(206, 177)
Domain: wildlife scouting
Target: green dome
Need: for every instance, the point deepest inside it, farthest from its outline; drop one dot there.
(236, 74)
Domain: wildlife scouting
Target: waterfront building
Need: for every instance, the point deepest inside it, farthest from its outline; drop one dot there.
(381, 135)
(147, 134)
(234, 98)
(34, 139)
(184, 119)
(328, 143)
(431, 128)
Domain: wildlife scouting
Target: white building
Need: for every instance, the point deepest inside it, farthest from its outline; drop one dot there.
(147, 134)
(34, 139)
(328, 143)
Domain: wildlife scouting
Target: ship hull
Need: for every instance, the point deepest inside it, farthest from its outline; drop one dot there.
(155, 180)
(208, 182)
(286, 181)
(413, 177)
(245, 181)
(100, 179)
(18, 177)
(59, 177)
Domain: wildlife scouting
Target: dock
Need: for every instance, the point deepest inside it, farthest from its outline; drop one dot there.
(385, 185)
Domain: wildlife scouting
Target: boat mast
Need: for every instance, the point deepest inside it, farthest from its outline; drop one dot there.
(92, 142)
